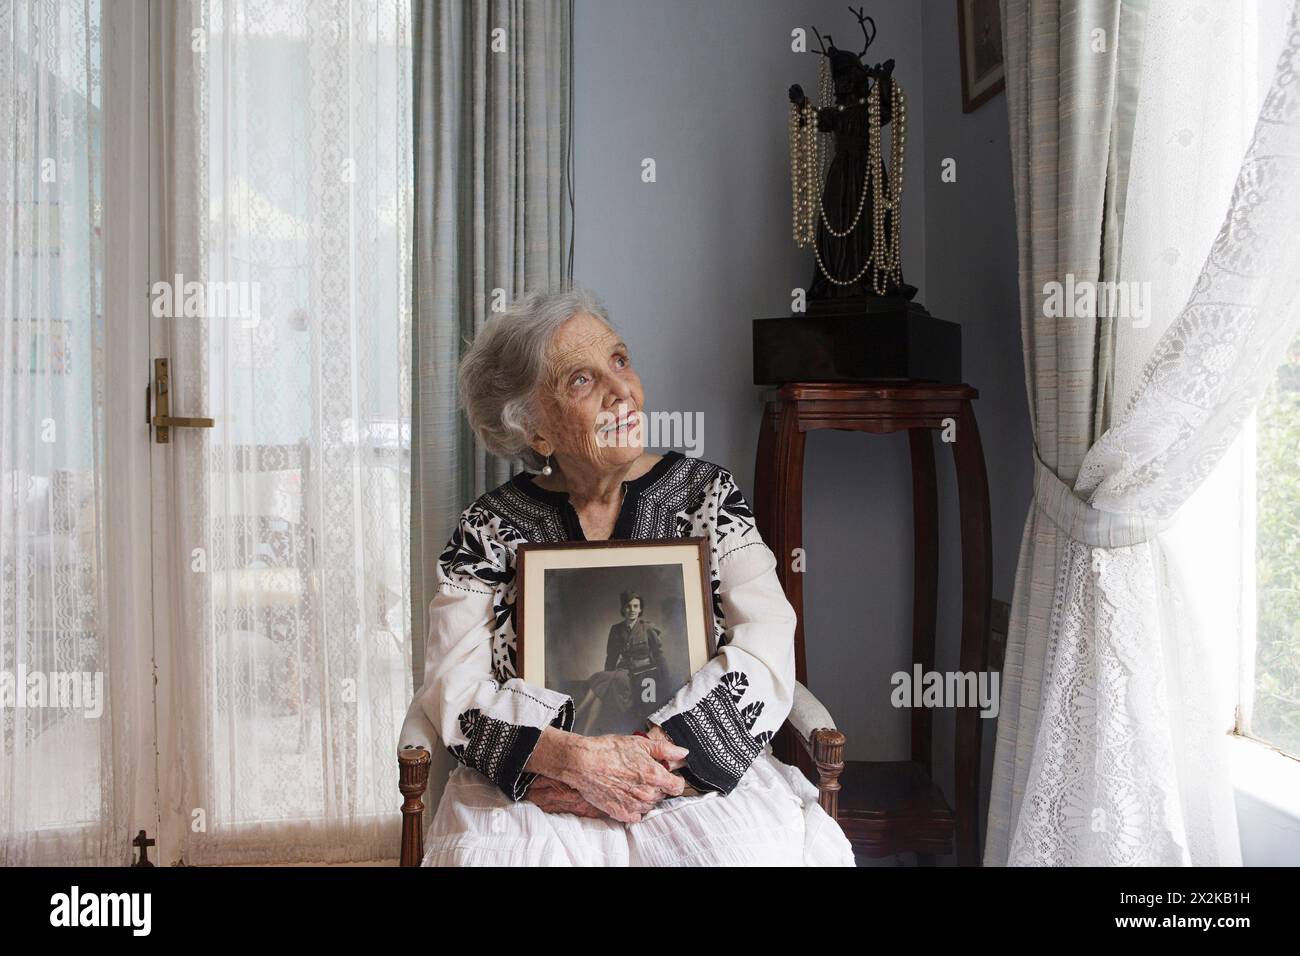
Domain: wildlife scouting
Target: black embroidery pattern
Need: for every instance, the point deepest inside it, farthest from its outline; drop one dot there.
(483, 548)
(735, 517)
(517, 517)
(499, 749)
(736, 684)
(527, 518)
(716, 733)
(721, 512)
(474, 550)
(659, 504)
(495, 748)
(719, 616)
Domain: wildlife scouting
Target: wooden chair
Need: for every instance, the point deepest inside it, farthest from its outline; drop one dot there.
(424, 764)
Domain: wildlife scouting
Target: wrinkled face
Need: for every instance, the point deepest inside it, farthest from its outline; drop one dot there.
(591, 399)
(632, 610)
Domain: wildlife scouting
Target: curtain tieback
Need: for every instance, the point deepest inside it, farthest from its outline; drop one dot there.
(1082, 522)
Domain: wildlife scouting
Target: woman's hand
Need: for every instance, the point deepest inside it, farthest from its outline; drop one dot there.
(620, 776)
(552, 796)
(657, 733)
(623, 776)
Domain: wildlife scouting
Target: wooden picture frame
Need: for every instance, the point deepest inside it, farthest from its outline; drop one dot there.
(979, 38)
(572, 623)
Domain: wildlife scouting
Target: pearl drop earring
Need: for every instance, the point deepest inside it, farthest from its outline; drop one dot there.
(546, 468)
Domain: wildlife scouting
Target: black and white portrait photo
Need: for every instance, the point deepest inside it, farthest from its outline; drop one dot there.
(621, 627)
(625, 651)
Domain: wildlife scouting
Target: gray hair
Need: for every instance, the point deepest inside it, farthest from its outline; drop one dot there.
(502, 372)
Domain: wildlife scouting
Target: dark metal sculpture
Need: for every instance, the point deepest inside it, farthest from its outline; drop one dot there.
(851, 212)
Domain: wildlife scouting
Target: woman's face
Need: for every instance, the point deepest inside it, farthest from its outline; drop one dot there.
(591, 399)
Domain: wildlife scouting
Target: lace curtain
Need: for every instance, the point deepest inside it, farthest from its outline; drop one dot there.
(1069, 117)
(286, 160)
(1127, 766)
(66, 763)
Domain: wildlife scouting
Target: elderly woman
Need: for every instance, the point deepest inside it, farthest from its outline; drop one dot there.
(551, 382)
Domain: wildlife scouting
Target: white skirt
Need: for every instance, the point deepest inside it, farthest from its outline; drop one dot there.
(772, 818)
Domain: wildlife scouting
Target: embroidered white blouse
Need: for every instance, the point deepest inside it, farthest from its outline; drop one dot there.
(491, 720)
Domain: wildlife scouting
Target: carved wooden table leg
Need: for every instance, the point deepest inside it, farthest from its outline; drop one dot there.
(765, 472)
(925, 579)
(977, 587)
(788, 512)
(786, 522)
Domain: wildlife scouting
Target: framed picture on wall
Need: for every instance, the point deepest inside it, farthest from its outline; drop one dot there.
(619, 626)
(979, 34)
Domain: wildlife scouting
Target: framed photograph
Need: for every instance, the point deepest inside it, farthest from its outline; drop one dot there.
(979, 34)
(619, 626)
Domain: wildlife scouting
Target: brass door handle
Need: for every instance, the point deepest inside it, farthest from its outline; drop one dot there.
(163, 421)
(168, 421)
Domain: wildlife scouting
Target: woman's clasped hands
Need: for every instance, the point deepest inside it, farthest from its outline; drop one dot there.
(614, 776)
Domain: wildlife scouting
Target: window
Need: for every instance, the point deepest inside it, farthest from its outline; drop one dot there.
(1272, 713)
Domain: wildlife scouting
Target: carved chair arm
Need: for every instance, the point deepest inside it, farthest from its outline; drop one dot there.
(815, 730)
(416, 745)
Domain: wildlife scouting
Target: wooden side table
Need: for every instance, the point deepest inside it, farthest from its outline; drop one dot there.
(893, 806)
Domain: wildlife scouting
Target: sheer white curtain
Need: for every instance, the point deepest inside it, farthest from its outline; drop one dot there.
(1128, 765)
(1194, 127)
(66, 763)
(285, 156)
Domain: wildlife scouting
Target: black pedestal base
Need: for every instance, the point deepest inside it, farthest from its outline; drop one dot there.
(879, 340)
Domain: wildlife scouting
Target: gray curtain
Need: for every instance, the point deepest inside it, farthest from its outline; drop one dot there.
(493, 211)
(1071, 108)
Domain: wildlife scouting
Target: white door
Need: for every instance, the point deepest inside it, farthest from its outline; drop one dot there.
(280, 318)
(219, 191)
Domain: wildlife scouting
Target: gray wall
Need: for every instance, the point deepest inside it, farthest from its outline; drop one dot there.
(971, 277)
(687, 262)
